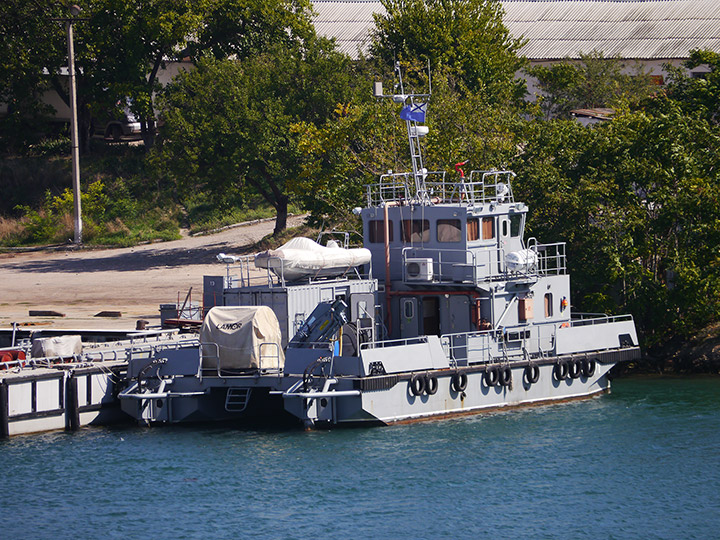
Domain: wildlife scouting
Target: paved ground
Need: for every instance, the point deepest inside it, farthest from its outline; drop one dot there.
(133, 281)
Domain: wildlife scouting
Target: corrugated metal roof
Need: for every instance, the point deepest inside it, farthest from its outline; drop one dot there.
(660, 29)
(655, 29)
(349, 22)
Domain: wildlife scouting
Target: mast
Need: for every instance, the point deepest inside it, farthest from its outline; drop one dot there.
(413, 112)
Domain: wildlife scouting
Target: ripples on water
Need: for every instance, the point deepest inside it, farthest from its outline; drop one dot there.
(643, 462)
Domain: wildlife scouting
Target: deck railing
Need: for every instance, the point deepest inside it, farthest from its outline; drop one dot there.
(482, 187)
(242, 273)
(485, 264)
(511, 343)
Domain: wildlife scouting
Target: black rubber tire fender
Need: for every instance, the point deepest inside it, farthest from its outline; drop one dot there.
(505, 376)
(417, 384)
(575, 368)
(349, 340)
(588, 367)
(532, 373)
(459, 381)
(491, 376)
(431, 384)
(560, 370)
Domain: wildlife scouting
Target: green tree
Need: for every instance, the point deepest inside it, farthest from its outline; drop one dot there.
(366, 138)
(123, 44)
(697, 94)
(228, 122)
(120, 47)
(636, 200)
(591, 82)
(468, 36)
(29, 42)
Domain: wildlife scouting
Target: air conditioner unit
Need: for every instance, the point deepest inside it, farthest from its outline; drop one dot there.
(418, 269)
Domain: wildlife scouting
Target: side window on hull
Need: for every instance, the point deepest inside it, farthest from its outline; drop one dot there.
(415, 230)
(449, 230)
(377, 231)
(548, 305)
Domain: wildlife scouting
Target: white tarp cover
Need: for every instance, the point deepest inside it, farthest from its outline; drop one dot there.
(521, 261)
(242, 335)
(302, 257)
(59, 346)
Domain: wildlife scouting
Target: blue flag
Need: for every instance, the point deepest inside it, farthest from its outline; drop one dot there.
(415, 113)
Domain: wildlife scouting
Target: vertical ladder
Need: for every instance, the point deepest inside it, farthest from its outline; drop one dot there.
(237, 399)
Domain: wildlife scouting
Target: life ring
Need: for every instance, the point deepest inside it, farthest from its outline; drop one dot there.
(575, 368)
(459, 381)
(417, 384)
(505, 376)
(560, 370)
(532, 373)
(431, 384)
(491, 376)
(588, 367)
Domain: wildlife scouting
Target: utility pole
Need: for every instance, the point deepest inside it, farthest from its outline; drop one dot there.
(74, 11)
(75, 145)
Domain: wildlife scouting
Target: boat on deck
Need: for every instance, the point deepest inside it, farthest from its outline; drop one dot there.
(468, 315)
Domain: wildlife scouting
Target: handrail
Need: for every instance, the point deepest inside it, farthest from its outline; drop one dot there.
(482, 263)
(494, 186)
(393, 342)
(268, 277)
(210, 357)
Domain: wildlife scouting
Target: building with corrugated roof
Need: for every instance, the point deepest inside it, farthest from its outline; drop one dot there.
(650, 33)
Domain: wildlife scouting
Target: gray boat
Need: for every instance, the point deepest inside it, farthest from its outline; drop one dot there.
(468, 316)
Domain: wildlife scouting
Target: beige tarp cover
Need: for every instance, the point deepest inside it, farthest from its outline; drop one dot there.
(242, 335)
(59, 346)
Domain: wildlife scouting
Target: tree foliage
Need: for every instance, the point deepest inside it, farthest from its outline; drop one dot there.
(593, 81)
(467, 36)
(366, 138)
(697, 94)
(636, 200)
(228, 122)
(121, 46)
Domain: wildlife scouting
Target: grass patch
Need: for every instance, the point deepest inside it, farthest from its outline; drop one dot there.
(203, 216)
(123, 202)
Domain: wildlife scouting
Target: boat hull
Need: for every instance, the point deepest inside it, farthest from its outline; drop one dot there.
(400, 405)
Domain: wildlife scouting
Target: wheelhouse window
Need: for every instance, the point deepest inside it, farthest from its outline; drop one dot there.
(473, 229)
(481, 229)
(377, 231)
(415, 230)
(488, 228)
(515, 224)
(449, 230)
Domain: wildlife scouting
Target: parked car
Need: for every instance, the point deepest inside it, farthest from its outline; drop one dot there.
(116, 128)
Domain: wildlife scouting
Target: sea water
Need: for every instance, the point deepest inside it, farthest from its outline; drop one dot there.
(643, 462)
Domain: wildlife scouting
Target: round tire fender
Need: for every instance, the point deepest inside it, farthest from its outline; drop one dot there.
(491, 376)
(431, 384)
(459, 382)
(588, 367)
(417, 384)
(560, 370)
(575, 369)
(505, 376)
(532, 373)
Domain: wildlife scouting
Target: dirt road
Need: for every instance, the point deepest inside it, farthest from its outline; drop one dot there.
(133, 281)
